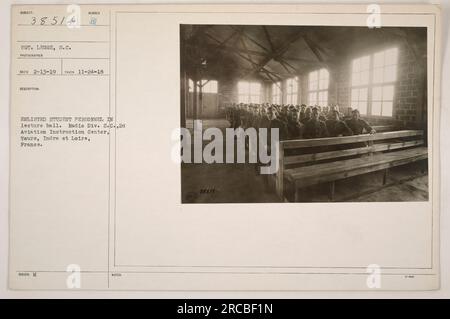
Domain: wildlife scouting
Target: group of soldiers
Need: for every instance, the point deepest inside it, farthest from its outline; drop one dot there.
(298, 121)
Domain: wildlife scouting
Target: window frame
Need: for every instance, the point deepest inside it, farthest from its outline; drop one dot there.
(292, 90)
(191, 85)
(372, 85)
(202, 83)
(207, 83)
(276, 86)
(318, 90)
(249, 94)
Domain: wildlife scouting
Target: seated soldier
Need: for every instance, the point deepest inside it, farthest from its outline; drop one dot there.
(228, 113)
(283, 114)
(236, 116)
(325, 111)
(255, 113)
(315, 128)
(260, 116)
(358, 125)
(306, 115)
(295, 127)
(275, 122)
(322, 115)
(264, 121)
(335, 126)
(244, 116)
(333, 108)
(302, 112)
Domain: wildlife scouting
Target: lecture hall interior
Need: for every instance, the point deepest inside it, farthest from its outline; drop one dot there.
(350, 104)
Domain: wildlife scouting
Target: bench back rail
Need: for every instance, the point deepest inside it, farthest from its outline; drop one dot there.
(295, 153)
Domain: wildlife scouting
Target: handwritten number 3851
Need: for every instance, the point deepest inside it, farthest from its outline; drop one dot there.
(47, 20)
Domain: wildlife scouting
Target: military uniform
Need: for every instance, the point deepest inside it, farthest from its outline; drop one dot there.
(305, 119)
(236, 118)
(282, 128)
(358, 126)
(337, 128)
(315, 129)
(295, 129)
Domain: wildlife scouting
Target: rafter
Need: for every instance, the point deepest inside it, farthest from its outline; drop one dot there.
(241, 50)
(254, 63)
(271, 54)
(222, 43)
(266, 32)
(302, 60)
(255, 66)
(248, 59)
(290, 65)
(247, 36)
(279, 51)
(314, 48)
(199, 30)
(284, 65)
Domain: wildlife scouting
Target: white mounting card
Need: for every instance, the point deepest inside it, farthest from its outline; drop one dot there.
(99, 202)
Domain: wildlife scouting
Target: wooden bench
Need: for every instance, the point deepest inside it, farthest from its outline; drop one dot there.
(306, 162)
(385, 128)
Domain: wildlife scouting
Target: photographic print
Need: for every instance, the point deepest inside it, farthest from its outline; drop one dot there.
(347, 105)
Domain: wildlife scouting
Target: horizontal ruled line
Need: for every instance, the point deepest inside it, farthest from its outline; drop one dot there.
(47, 58)
(62, 74)
(62, 25)
(227, 272)
(62, 41)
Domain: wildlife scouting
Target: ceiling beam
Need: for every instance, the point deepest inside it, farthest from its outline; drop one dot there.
(247, 36)
(248, 59)
(266, 32)
(314, 48)
(291, 58)
(255, 66)
(241, 50)
(283, 64)
(279, 51)
(199, 30)
(221, 44)
(254, 63)
(290, 65)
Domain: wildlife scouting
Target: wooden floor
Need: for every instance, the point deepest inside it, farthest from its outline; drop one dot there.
(239, 183)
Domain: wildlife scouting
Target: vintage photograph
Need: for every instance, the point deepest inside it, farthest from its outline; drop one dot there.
(275, 113)
(219, 149)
